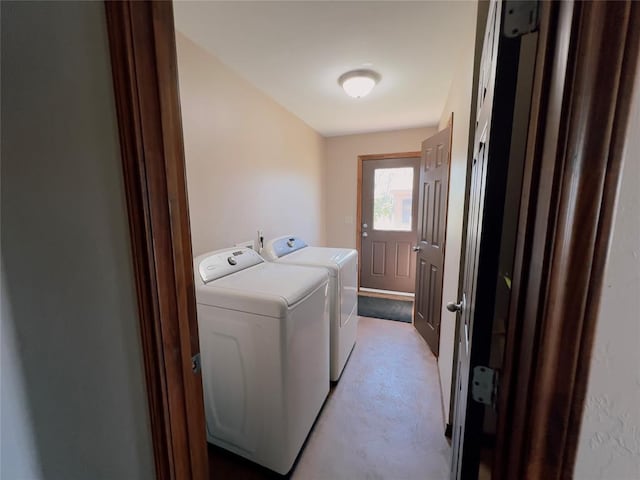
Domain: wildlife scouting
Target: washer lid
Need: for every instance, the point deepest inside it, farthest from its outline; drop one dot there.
(331, 258)
(264, 289)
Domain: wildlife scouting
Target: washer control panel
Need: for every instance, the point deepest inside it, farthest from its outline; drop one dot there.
(285, 245)
(221, 263)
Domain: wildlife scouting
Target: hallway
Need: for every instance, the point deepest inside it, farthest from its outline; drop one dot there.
(383, 420)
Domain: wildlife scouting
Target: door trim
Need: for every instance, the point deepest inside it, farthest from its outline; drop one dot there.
(144, 68)
(361, 159)
(577, 130)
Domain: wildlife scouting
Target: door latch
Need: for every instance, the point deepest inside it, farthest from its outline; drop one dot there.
(484, 385)
(196, 365)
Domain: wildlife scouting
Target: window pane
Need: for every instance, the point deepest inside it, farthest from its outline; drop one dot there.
(392, 199)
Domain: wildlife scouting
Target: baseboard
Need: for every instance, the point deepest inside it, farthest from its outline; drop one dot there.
(403, 298)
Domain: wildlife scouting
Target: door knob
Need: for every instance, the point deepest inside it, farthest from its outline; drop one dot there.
(364, 225)
(456, 307)
(365, 234)
(416, 248)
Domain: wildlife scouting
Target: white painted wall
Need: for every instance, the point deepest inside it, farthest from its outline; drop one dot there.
(18, 457)
(72, 399)
(251, 164)
(609, 443)
(342, 174)
(458, 103)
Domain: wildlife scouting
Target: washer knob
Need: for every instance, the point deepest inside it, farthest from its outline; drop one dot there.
(232, 261)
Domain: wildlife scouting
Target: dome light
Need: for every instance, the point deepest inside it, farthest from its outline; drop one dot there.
(359, 83)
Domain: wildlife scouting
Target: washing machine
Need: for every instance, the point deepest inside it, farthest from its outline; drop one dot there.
(342, 265)
(264, 347)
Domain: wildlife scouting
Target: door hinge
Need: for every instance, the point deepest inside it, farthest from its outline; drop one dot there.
(484, 385)
(195, 363)
(521, 17)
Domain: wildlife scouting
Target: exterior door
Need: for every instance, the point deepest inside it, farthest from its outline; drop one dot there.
(432, 225)
(389, 223)
(493, 158)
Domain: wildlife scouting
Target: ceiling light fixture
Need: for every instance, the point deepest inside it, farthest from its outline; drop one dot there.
(359, 83)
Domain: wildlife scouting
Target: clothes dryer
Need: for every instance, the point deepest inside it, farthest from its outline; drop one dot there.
(342, 265)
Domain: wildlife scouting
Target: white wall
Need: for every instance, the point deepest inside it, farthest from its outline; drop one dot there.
(342, 173)
(73, 402)
(251, 164)
(18, 457)
(459, 103)
(609, 443)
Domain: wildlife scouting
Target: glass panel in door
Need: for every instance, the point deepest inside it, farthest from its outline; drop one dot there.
(393, 199)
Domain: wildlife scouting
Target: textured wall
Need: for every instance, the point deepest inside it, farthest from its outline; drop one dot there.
(609, 446)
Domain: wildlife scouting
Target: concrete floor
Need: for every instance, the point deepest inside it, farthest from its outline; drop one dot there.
(383, 420)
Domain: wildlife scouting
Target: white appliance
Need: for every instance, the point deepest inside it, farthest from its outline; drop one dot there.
(264, 346)
(342, 265)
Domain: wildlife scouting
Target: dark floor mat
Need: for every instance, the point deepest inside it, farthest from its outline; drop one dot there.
(386, 308)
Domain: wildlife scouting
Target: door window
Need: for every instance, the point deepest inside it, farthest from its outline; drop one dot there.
(393, 199)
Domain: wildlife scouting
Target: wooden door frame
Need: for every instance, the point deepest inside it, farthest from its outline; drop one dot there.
(547, 358)
(586, 61)
(144, 67)
(361, 160)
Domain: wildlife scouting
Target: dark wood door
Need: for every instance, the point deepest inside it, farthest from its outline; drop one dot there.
(432, 226)
(389, 223)
(476, 307)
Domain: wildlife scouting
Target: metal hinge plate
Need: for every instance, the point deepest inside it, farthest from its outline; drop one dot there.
(521, 17)
(195, 363)
(484, 385)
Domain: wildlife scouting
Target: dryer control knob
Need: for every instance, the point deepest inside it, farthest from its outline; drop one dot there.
(232, 261)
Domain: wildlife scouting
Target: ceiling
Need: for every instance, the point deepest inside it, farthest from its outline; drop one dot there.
(295, 52)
